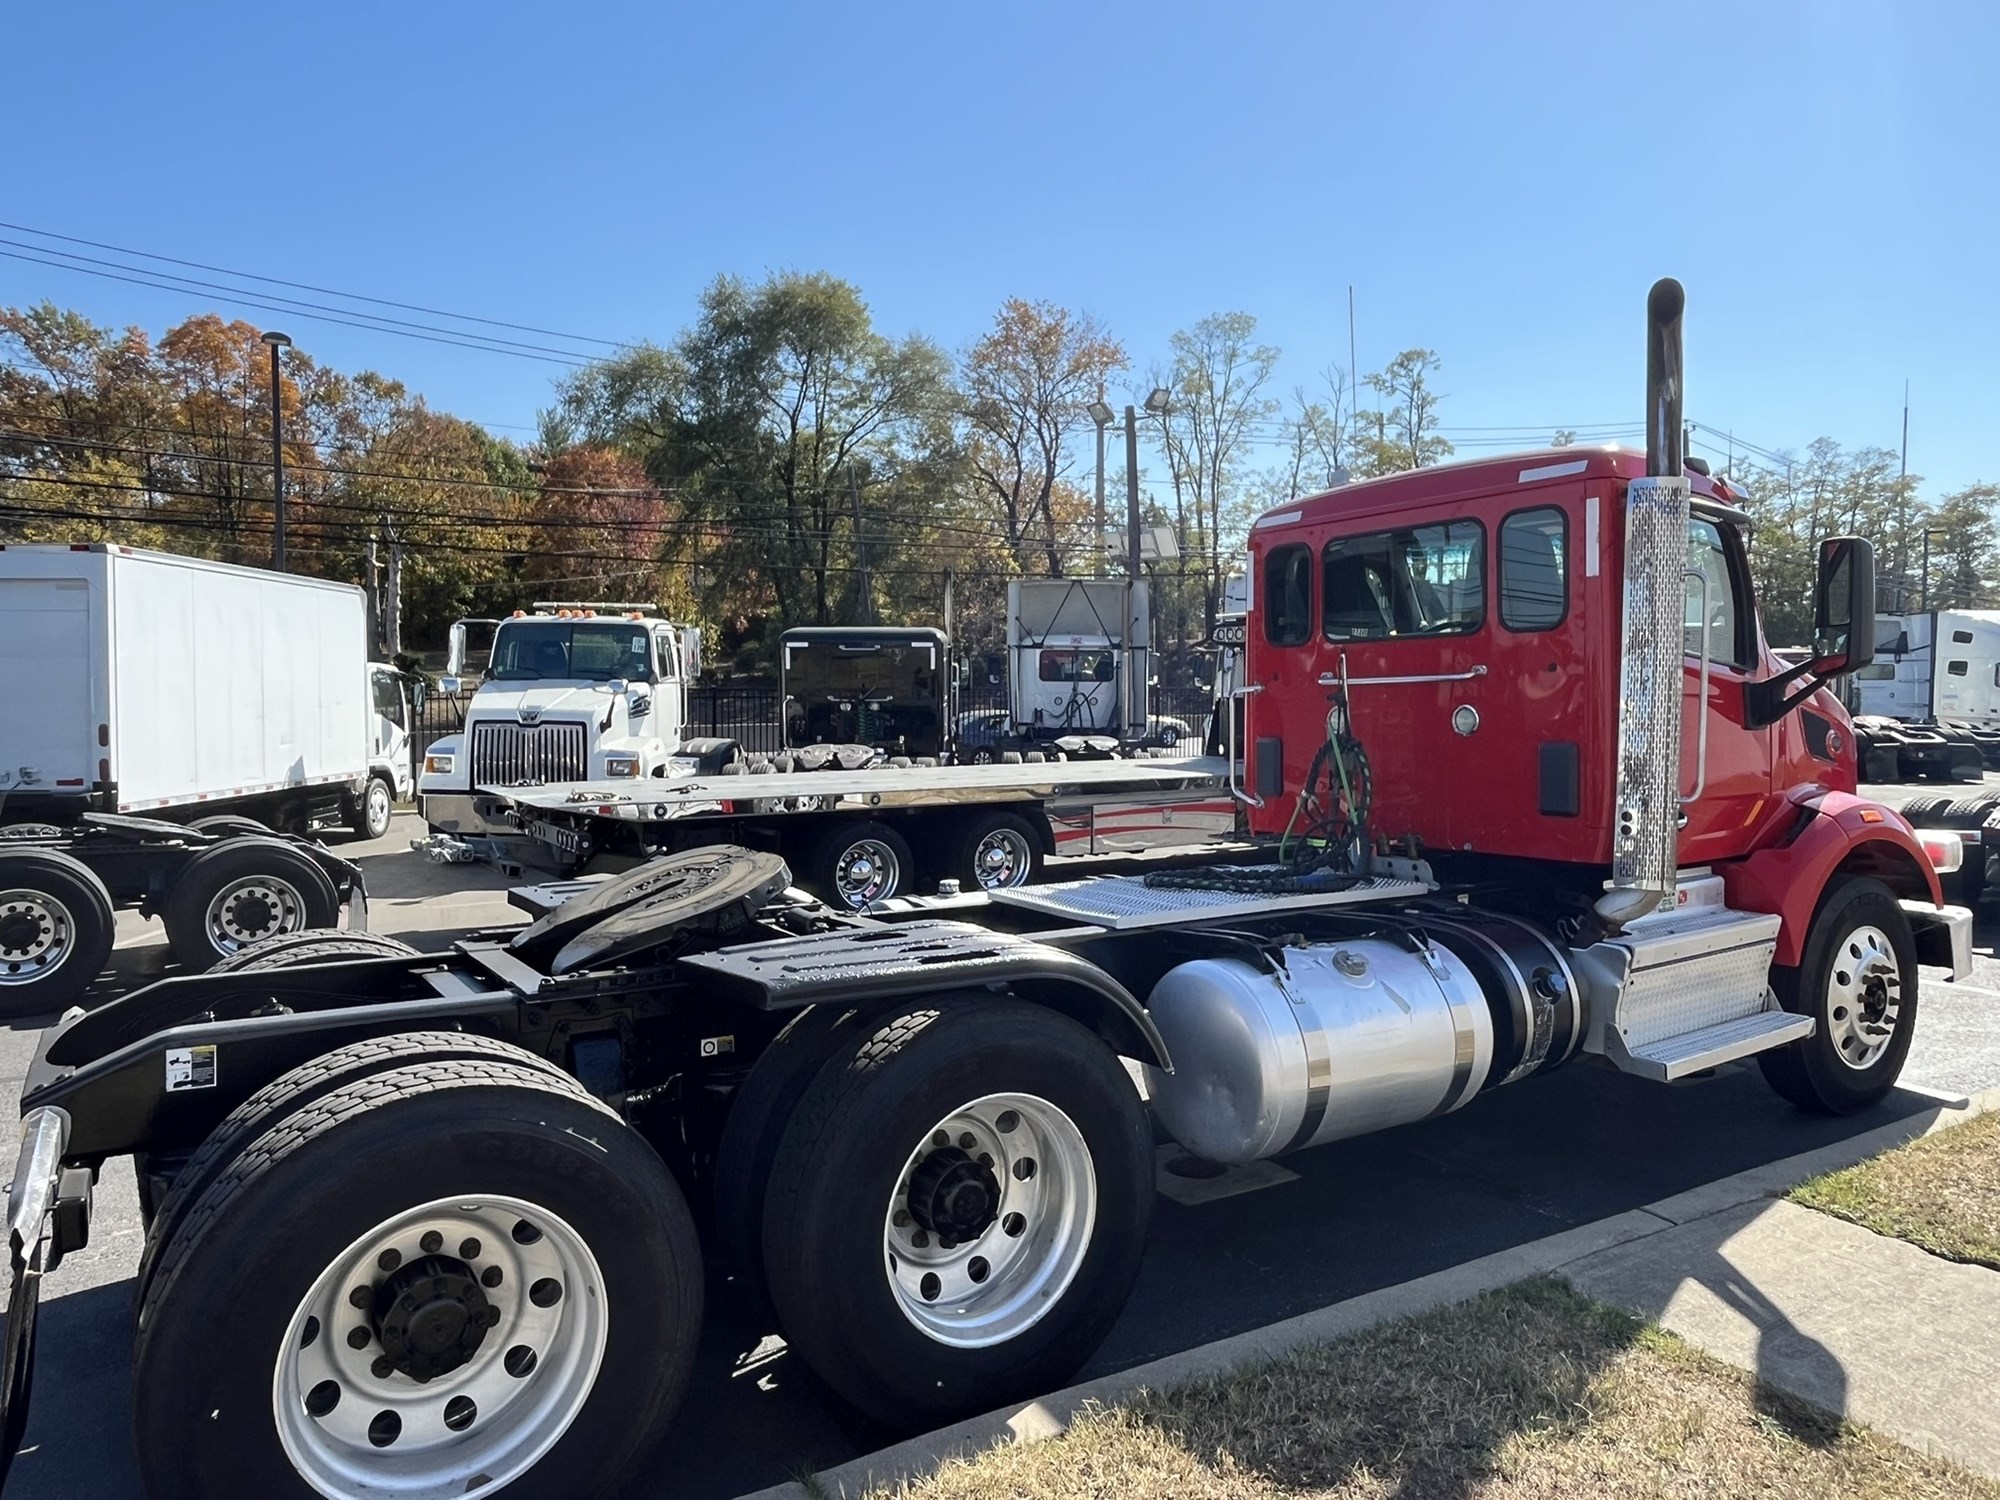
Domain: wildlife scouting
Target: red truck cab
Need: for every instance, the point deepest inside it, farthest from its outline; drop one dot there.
(1470, 617)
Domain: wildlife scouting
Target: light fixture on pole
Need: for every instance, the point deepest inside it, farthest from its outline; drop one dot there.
(1156, 406)
(1101, 415)
(277, 341)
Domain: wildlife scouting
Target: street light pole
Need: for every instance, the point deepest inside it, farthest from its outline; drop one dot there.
(1100, 415)
(277, 341)
(1132, 492)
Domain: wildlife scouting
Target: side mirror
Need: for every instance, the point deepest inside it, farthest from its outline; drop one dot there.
(451, 687)
(417, 695)
(1844, 607)
(454, 661)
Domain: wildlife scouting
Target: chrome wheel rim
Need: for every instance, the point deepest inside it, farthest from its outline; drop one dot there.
(37, 934)
(1012, 1175)
(379, 807)
(402, 1302)
(252, 909)
(1002, 859)
(866, 872)
(1864, 997)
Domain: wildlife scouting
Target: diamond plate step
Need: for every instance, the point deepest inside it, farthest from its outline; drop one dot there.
(1712, 1046)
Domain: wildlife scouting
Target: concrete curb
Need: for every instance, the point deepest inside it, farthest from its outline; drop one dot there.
(1052, 1414)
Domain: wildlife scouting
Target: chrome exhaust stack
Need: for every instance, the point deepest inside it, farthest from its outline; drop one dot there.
(1646, 832)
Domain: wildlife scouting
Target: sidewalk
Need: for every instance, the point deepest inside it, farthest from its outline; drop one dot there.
(1858, 1324)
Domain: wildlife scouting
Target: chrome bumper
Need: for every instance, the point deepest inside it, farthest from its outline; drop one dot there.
(1943, 934)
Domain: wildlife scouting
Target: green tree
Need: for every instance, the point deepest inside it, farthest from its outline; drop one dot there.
(1401, 433)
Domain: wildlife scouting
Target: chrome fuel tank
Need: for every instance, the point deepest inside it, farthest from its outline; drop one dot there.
(1329, 1040)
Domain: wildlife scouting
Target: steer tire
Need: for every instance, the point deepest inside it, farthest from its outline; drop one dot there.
(753, 1128)
(56, 930)
(245, 864)
(1811, 1073)
(327, 1182)
(370, 814)
(291, 1092)
(840, 1171)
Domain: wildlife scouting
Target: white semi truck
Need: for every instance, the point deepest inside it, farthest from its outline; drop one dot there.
(158, 708)
(1929, 705)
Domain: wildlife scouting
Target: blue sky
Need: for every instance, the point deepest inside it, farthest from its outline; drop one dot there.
(1498, 183)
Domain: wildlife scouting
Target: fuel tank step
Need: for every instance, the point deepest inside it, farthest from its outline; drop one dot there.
(1712, 1046)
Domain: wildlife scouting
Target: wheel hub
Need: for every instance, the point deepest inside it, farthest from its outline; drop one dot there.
(431, 1317)
(953, 1196)
(24, 931)
(251, 915)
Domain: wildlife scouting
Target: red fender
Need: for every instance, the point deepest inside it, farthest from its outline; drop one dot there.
(1837, 831)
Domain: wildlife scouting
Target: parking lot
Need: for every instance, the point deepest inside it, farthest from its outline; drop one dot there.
(1227, 1254)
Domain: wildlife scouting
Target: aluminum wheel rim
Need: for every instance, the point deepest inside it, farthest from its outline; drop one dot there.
(476, 1428)
(1001, 860)
(866, 872)
(228, 928)
(379, 806)
(37, 934)
(1000, 1282)
(1864, 997)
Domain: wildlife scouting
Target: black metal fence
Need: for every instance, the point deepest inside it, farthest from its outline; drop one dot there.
(751, 713)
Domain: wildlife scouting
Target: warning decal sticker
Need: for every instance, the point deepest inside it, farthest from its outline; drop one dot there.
(190, 1068)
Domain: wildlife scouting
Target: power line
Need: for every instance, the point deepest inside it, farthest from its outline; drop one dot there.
(576, 338)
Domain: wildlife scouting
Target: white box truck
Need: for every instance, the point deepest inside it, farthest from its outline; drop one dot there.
(158, 707)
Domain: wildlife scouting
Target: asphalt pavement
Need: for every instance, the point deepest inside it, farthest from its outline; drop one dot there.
(1226, 1255)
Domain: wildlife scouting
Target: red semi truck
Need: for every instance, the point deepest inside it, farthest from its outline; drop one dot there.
(1537, 793)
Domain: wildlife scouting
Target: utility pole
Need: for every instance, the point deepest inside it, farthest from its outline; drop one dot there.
(1353, 369)
(1903, 506)
(861, 551)
(392, 603)
(1132, 493)
(1100, 416)
(375, 631)
(277, 341)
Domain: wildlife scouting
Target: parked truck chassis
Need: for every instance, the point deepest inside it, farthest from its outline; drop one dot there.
(428, 1221)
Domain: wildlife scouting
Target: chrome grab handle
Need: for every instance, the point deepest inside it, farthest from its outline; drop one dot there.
(1244, 694)
(1335, 679)
(1701, 699)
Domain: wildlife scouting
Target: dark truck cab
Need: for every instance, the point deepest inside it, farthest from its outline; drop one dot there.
(887, 687)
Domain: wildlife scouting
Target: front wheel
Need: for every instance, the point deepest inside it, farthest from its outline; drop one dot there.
(1858, 981)
(452, 1279)
(56, 929)
(958, 1208)
(369, 814)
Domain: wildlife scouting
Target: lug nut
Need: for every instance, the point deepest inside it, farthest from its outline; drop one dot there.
(921, 1240)
(388, 1260)
(357, 1338)
(468, 1249)
(491, 1277)
(361, 1296)
(939, 1138)
(382, 1369)
(432, 1242)
(901, 1218)
(966, 1141)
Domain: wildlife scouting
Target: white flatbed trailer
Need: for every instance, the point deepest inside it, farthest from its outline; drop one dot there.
(855, 835)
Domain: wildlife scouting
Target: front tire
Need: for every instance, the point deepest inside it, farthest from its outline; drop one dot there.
(1858, 981)
(958, 1208)
(452, 1279)
(369, 815)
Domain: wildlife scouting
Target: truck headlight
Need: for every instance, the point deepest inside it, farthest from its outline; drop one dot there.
(620, 766)
(440, 765)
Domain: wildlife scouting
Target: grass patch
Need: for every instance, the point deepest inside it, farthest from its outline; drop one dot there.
(1941, 1193)
(1532, 1393)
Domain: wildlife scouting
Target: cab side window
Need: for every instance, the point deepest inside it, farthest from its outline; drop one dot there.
(1534, 569)
(1709, 555)
(1288, 596)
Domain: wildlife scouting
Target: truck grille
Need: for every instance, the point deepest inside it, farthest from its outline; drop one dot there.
(524, 754)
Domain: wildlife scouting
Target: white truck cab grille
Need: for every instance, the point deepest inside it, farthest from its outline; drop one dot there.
(525, 754)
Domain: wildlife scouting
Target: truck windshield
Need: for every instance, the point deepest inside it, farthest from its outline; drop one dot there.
(1078, 666)
(594, 651)
(884, 695)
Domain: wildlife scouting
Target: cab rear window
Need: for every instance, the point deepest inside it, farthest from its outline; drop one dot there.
(1288, 596)
(1417, 580)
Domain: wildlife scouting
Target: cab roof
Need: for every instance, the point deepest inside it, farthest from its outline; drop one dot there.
(1503, 474)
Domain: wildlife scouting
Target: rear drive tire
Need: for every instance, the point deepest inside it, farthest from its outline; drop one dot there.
(241, 892)
(502, 1235)
(997, 852)
(851, 864)
(228, 823)
(1858, 981)
(369, 815)
(56, 930)
(291, 1092)
(753, 1129)
(314, 945)
(1034, 1232)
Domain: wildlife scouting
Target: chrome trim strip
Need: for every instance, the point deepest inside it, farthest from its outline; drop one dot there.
(1332, 679)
